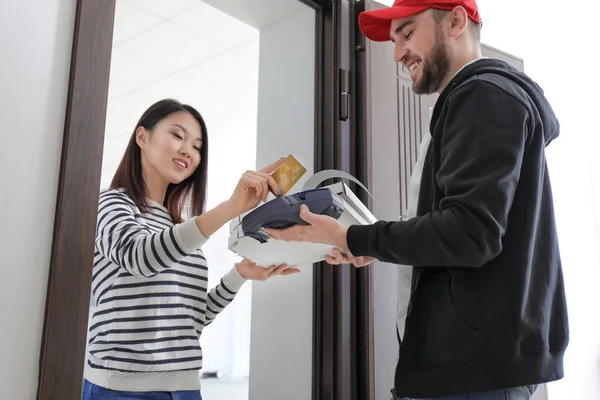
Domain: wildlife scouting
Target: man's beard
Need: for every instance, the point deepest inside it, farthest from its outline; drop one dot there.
(435, 67)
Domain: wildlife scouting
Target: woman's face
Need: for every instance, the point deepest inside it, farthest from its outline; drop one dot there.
(171, 150)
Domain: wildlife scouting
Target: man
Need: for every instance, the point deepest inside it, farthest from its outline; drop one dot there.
(487, 312)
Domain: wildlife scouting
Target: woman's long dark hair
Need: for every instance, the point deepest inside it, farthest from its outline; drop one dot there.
(129, 176)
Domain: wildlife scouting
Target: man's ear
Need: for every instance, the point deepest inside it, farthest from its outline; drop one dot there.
(141, 136)
(458, 21)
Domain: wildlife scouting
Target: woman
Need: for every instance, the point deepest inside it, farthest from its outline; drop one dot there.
(149, 286)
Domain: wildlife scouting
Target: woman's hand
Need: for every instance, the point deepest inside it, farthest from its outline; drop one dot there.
(252, 188)
(248, 270)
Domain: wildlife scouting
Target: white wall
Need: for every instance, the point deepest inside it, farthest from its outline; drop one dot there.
(281, 357)
(35, 38)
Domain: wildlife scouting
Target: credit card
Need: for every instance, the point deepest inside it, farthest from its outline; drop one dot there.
(287, 174)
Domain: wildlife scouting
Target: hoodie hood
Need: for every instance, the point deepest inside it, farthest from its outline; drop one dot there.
(539, 103)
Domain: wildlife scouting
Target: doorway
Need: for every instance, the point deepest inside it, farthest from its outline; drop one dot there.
(269, 71)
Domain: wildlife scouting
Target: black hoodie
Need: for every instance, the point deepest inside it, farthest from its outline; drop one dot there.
(487, 307)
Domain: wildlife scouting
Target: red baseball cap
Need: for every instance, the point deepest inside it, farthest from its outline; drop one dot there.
(375, 24)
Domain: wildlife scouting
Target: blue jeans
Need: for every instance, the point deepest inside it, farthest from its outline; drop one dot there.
(95, 392)
(519, 393)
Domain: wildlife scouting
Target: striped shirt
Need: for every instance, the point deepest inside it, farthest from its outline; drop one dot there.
(150, 301)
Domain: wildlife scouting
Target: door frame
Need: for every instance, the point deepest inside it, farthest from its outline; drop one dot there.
(343, 340)
(70, 272)
(62, 352)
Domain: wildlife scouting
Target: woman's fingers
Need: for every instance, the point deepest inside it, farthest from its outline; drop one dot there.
(283, 269)
(266, 181)
(290, 271)
(268, 272)
(279, 269)
(251, 182)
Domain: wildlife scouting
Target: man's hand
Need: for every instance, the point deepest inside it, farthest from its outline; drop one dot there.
(339, 258)
(320, 229)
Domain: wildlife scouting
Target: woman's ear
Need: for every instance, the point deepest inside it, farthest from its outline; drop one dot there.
(141, 136)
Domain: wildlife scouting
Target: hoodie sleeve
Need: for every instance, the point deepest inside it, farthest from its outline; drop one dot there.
(481, 152)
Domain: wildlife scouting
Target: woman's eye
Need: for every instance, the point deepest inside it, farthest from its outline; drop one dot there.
(197, 148)
(177, 135)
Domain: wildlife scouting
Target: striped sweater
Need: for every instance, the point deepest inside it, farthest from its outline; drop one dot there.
(150, 301)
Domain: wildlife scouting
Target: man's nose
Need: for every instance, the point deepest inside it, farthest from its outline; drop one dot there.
(400, 52)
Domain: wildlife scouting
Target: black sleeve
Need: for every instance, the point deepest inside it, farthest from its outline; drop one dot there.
(482, 148)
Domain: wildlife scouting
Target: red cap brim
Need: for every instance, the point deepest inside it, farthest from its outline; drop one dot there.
(375, 24)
